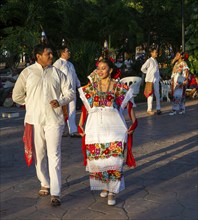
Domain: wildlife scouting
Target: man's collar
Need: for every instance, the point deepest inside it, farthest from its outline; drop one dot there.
(63, 59)
(40, 67)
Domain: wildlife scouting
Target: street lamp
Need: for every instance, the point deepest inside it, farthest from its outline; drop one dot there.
(182, 18)
(105, 49)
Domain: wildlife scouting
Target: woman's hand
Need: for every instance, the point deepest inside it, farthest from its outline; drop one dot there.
(130, 131)
(81, 131)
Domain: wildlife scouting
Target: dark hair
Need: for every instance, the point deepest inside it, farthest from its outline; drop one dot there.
(107, 61)
(39, 49)
(151, 49)
(111, 65)
(61, 50)
(183, 54)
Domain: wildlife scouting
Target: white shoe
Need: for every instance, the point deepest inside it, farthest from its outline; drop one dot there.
(173, 113)
(182, 112)
(111, 199)
(104, 194)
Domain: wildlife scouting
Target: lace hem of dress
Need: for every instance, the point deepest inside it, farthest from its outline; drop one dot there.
(112, 186)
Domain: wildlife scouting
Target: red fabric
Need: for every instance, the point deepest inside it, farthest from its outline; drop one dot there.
(84, 151)
(80, 131)
(65, 113)
(84, 111)
(192, 81)
(148, 90)
(28, 143)
(148, 94)
(130, 160)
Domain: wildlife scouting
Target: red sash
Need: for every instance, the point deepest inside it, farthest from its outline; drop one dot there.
(130, 160)
(28, 143)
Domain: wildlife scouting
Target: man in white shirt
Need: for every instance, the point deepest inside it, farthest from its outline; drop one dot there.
(151, 69)
(68, 69)
(44, 89)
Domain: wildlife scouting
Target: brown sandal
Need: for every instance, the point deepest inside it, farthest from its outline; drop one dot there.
(55, 201)
(44, 191)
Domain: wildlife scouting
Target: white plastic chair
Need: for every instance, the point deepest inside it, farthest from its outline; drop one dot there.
(134, 82)
(165, 89)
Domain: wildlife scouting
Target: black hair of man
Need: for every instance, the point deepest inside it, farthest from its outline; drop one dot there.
(61, 50)
(151, 49)
(39, 49)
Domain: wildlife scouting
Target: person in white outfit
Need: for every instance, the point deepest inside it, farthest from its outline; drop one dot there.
(44, 89)
(151, 69)
(68, 69)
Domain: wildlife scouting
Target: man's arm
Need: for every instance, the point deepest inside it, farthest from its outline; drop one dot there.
(75, 76)
(19, 92)
(67, 91)
(145, 66)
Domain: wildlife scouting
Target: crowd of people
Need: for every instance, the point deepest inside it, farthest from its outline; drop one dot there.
(48, 92)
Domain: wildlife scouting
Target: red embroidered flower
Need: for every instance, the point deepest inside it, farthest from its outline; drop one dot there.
(121, 97)
(119, 85)
(119, 144)
(118, 102)
(106, 151)
(96, 98)
(91, 148)
(109, 97)
(111, 171)
(99, 174)
(88, 96)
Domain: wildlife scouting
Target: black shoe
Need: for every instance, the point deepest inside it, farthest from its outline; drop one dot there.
(75, 135)
(55, 201)
(65, 134)
(159, 112)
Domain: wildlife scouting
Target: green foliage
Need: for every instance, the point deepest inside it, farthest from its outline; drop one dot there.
(151, 21)
(192, 42)
(83, 56)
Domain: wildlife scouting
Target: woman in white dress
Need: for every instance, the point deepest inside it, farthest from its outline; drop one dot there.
(179, 79)
(106, 132)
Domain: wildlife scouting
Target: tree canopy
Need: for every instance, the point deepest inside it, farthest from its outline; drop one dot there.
(150, 21)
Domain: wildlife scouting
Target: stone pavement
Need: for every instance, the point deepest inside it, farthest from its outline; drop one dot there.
(163, 186)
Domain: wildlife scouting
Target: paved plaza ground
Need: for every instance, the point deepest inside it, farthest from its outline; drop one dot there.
(163, 186)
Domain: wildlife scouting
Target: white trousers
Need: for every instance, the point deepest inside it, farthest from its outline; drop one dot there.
(47, 142)
(157, 96)
(71, 122)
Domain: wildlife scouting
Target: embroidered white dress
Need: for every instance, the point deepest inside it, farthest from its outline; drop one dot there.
(179, 74)
(106, 134)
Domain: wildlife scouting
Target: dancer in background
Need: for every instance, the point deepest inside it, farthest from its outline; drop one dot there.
(68, 69)
(151, 69)
(179, 83)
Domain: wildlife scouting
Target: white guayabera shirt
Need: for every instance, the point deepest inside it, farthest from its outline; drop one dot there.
(68, 69)
(36, 87)
(151, 69)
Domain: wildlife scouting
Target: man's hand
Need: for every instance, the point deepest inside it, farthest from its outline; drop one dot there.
(54, 104)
